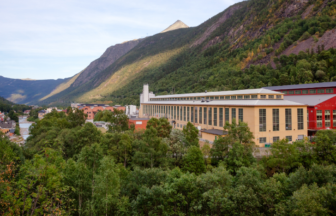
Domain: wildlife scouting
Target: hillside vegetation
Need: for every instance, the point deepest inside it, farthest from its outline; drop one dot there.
(252, 44)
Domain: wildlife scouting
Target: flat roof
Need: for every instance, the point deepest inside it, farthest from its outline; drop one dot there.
(302, 86)
(266, 102)
(138, 119)
(220, 93)
(215, 132)
(310, 100)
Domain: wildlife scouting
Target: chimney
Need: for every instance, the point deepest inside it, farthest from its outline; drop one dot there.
(145, 93)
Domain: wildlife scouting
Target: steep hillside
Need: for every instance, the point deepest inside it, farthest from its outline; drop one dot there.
(249, 45)
(35, 91)
(112, 54)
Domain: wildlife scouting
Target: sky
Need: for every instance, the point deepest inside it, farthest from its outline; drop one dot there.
(58, 38)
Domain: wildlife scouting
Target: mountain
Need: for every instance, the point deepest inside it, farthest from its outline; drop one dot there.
(176, 25)
(112, 54)
(26, 91)
(35, 91)
(251, 44)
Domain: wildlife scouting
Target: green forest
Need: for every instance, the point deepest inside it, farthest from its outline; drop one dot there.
(68, 167)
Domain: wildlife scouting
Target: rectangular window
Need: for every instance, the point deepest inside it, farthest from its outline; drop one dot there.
(276, 120)
(327, 118)
(241, 114)
(184, 113)
(216, 98)
(334, 118)
(246, 96)
(211, 98)
(227, 115)
(312, 91)
(188, 114)
(262, 120)
(262, 139)
(180, 113)
(192, 114)
(263, 96)
(300, 119)
(304, 91)
(220, 117)
(215, 117)
(200, 115)
(278, 96)
(289, 138)
(254, 96)
(227, 97)
(290, 92)
(205, 115)
(319, 118)
(330, 90)
(270, 96)
(297, 91)
(320, 91)
(198, 98)
(169, 112)
(233, 97)
(222, 97)
(288, 117)
(195, 114)
(210, 116)
(175, 112)
(285, 92)
(275, 139)
(233, 114)
(239, 97)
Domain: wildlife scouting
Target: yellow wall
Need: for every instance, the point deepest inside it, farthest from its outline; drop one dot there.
(251, 117)
(210, 137)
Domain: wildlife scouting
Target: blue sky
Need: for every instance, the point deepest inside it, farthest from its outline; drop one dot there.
(58, 38)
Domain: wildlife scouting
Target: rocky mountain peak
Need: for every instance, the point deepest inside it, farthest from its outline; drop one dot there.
(176, 25)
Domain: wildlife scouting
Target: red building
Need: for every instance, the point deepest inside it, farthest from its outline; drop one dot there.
(92, 109)
(320, 99)
(139, 123)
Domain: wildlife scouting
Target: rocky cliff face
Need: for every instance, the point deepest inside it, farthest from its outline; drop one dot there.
(112, 54)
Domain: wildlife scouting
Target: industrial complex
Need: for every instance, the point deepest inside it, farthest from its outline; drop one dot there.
(268, 114)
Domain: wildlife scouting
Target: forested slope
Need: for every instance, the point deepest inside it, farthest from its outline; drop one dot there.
(249, 45)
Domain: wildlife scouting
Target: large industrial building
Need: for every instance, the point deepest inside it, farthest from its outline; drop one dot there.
(320, 99)
(269, 116)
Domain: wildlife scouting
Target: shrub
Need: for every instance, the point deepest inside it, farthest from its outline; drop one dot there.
(305, 36)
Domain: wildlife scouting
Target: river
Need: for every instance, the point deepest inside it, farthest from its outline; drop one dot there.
(24, 127)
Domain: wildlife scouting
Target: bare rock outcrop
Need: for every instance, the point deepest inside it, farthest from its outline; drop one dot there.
(226, 15)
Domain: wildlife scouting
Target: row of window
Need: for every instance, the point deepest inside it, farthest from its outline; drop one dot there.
(201, 115)
(275, 119)
(310, 91)
(232, 97)
(326, 118)
(274, 139)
